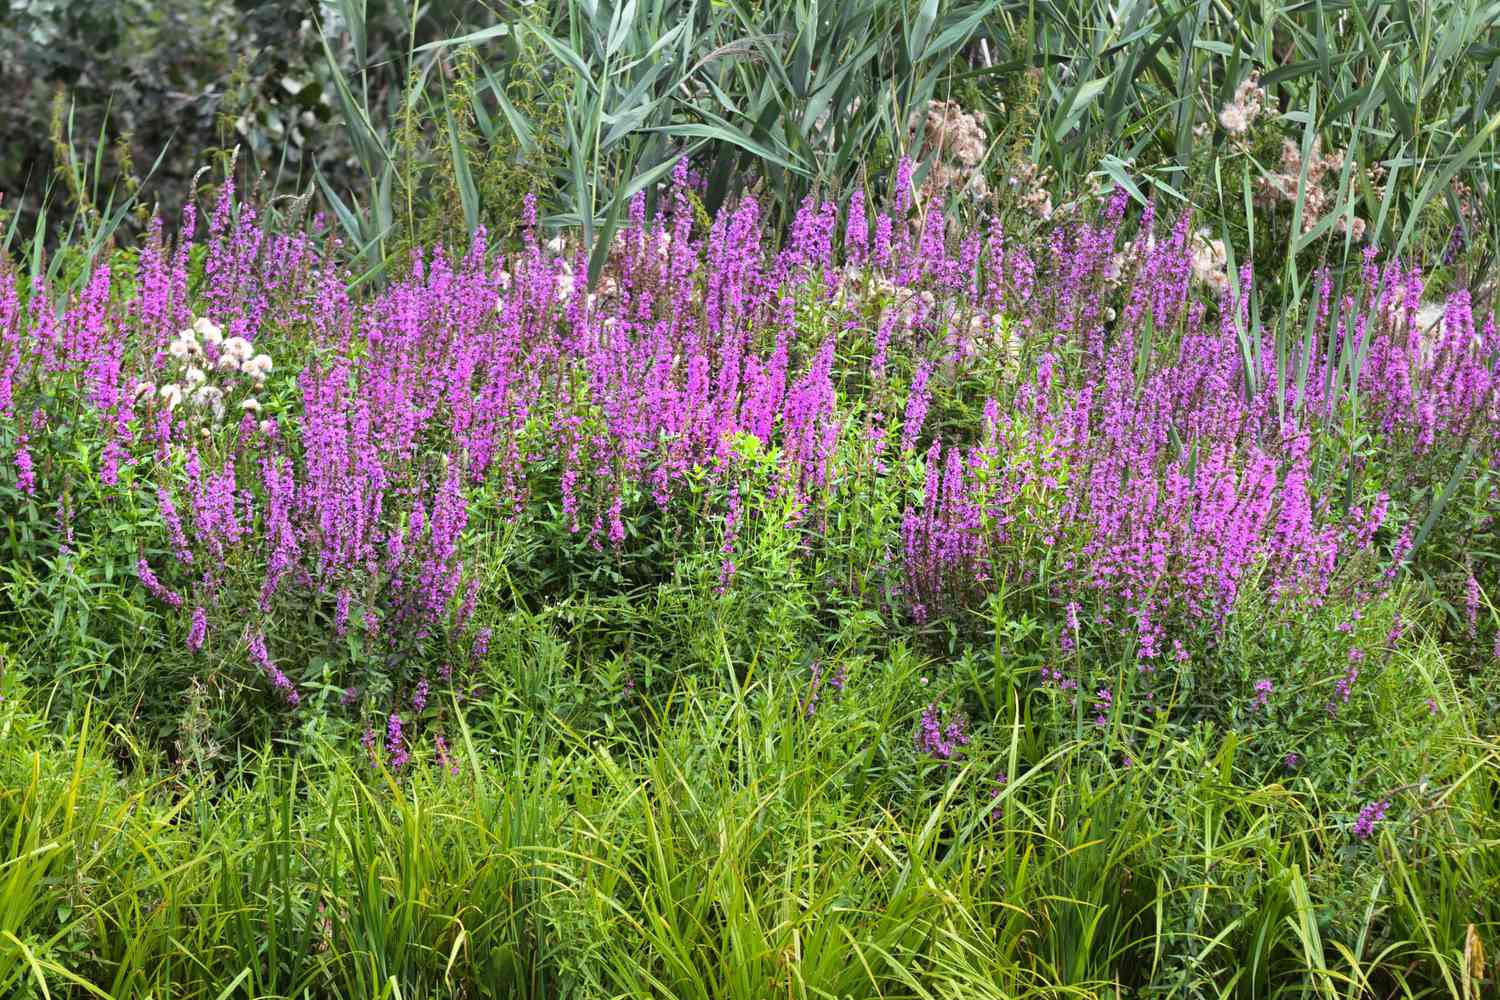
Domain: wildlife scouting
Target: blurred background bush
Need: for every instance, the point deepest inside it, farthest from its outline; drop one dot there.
(146, 91)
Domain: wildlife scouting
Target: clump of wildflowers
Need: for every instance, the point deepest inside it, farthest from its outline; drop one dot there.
(941, 739)
(154, 586)
(1001, 780)
(818, 683)
(395, 744)
(1364, 823)
(1104, 701)
(1157, 484)
(1344, 686)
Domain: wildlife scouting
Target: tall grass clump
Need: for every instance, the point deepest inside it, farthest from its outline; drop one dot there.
(757, 850)
(595, 103)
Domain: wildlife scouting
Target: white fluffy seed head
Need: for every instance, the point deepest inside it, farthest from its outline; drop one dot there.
(239, 348)
(257, 367)
(210, 398)
(210, 331)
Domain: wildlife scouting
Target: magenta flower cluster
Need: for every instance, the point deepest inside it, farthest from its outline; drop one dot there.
(940, 738)
(1148, 446)
(1161, 488)
(1364, 823)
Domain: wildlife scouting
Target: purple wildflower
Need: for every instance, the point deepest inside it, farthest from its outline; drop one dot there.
(1364, 824)
(481, 644)
(154, 586)
(945, 741)
(1104, 700)
(198, 630)
(1001, 780)
(1471, 604)
(443, 759)
(395, 745)
(25, 472)
(1343, 688)
(341, 613)
(255, 644)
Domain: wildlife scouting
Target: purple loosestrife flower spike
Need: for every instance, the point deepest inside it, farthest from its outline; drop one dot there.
(916, 407)
(1001, 780)
(154, 586)
(198, 631)
(901, 195)
(1472, 597)
(1104, 700)
(481, 644)
(857, 232)
(940, 740)
(395, 745)
(255, 644)
(1364, 824)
